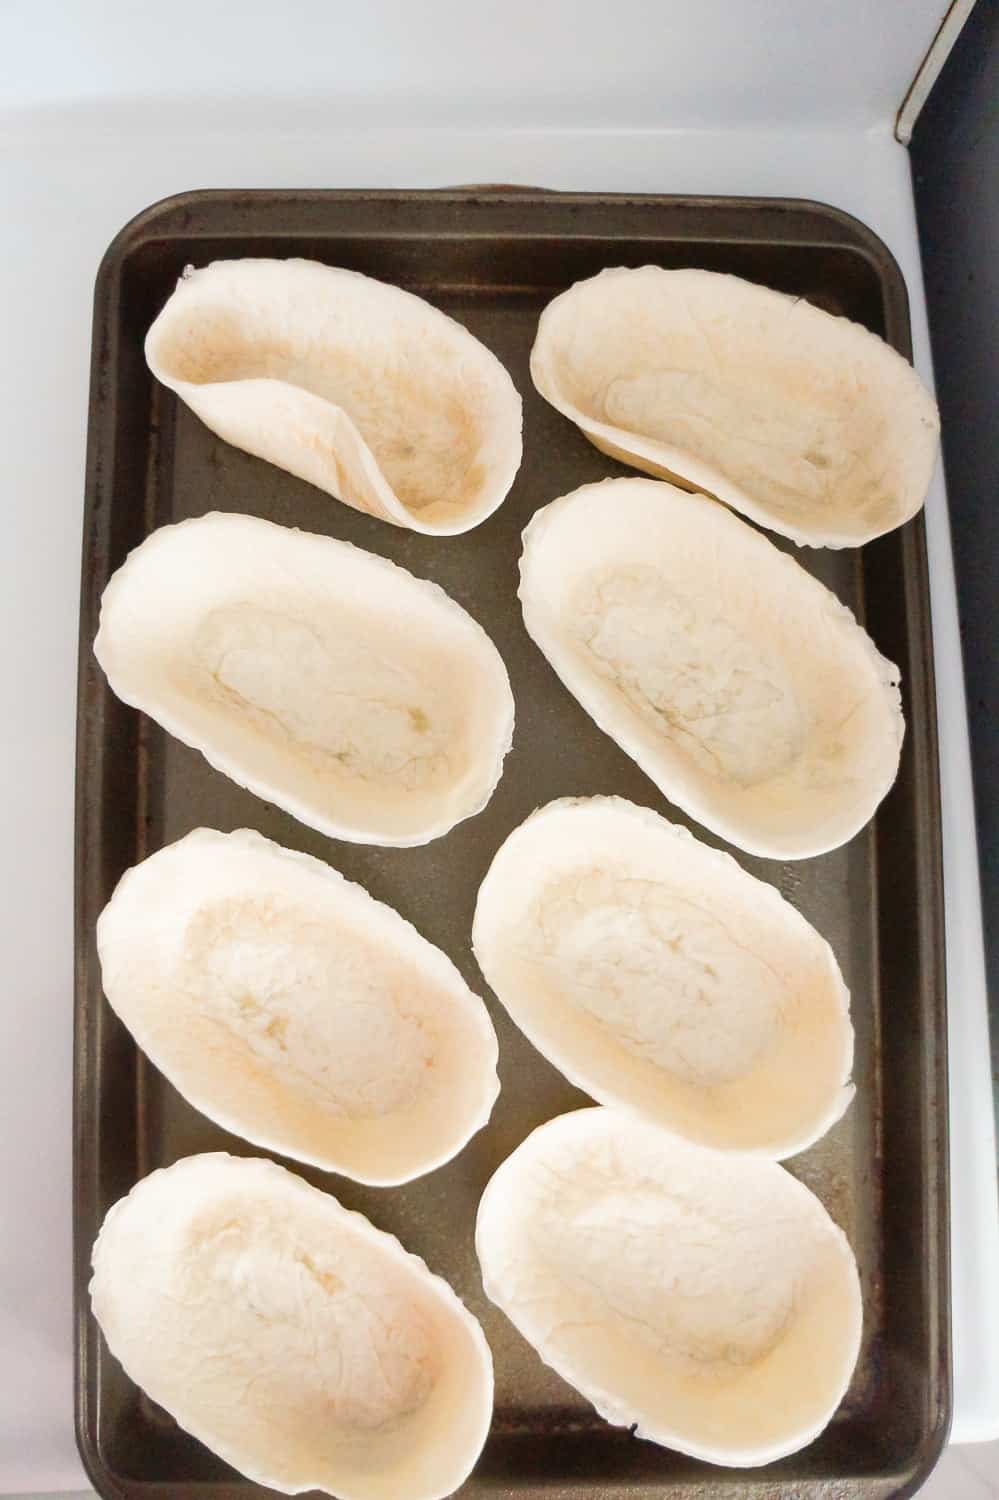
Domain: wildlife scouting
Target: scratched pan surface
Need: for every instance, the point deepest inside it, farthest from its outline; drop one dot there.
(493, 260)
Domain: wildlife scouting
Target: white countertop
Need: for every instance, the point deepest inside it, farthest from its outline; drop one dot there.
(74, 166)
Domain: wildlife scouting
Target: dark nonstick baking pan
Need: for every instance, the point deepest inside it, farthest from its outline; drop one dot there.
(493, 260)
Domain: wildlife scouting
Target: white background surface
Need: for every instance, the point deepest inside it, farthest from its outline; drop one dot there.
(104, 109)
(538, 63)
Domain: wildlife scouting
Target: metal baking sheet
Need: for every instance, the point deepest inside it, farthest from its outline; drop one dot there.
(493, 259)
